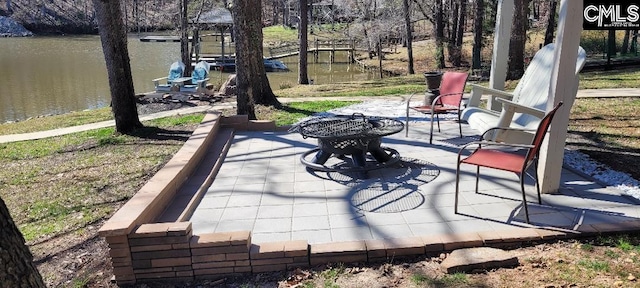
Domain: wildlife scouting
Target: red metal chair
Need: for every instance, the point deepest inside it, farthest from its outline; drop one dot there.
(510, 161)
(451, 92)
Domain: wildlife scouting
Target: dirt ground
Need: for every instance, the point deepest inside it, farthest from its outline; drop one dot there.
(82, 260)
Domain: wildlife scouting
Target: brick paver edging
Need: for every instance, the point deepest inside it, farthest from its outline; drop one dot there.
(153, 197)
(169, 251)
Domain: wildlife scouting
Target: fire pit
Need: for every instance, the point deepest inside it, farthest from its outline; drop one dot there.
(354, 135)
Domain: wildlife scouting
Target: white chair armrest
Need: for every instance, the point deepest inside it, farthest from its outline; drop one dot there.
(506, 116)
(181, 80)
(487, 90)
(477, 91)
(202, 81)
(201, 84)
(491, 132)
(514, 107)
(156, 81)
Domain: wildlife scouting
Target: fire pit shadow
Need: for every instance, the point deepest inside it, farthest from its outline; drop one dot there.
(390, 189)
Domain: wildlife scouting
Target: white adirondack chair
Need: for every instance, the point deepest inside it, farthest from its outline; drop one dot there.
(175, 72)
(198, 79)
(525, 106)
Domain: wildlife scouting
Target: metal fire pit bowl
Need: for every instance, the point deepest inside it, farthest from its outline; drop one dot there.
(354, 135)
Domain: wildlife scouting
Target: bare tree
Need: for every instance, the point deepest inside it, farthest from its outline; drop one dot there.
(253, 85)
(9, 7)
(373, 20)
(408, 28)
(439, 34)
(303, 78)
(434, 12)
(457, 31)
(634, 41)
(625, 42)
(16, 262)
(551, 22)
(611, 48)
(477, 34)
(518, 39)
(114, 46)
(184, 37)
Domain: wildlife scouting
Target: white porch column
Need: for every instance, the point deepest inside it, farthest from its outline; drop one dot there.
(500, 57)
(561, 89)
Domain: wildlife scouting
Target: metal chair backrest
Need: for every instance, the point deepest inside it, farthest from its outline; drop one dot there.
(541, 132)
(452, 88)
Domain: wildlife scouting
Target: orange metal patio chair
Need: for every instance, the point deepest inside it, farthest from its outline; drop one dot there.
(451, 92)
(501, 158)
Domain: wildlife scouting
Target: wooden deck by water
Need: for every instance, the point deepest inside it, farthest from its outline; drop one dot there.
(161, 39)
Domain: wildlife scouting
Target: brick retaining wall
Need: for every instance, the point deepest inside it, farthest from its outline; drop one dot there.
(169, 251)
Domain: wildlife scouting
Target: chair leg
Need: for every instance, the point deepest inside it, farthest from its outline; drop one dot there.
(406, 125)
(459, 124)
(477, 177)
(431, 131)
(537, 183)
(524, 198)
(455, 209)
(438, 119)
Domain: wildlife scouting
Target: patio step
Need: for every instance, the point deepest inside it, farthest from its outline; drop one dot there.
(191, 192)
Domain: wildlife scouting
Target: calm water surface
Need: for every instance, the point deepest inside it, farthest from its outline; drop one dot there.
(55, 75)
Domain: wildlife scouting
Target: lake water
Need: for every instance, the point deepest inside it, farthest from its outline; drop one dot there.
(55, 75)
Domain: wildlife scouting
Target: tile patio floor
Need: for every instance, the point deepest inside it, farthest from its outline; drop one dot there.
(263, 187)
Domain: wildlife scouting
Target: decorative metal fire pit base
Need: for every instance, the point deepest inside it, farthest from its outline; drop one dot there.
(359, 162)
(354, 135)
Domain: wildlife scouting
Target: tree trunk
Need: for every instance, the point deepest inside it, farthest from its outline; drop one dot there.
(116, 55)
(477, 34)
(551, 22)
(126, 17)
(625, 42)
(452, 31)
(634, 42)
(9, 7)
(611, 48)
(407, 25)
(274, 12)
(253, 85)
(303, 78)
(518, 38)
(457, 51)
(184, 38)
(439, 27)
(136, 16)
(311, 16)
(461, 21)
(17, 268)
(285, 14)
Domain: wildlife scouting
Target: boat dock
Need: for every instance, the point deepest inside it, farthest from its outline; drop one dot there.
(331, 46)
(161, 39)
